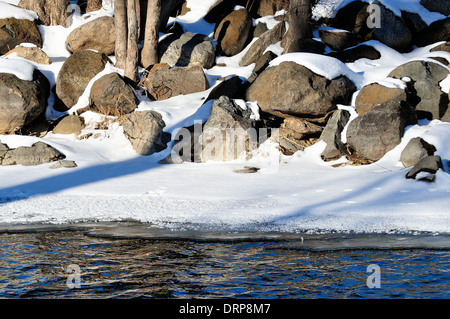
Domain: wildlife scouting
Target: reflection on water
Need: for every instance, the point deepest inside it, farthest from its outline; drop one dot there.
(34, 265)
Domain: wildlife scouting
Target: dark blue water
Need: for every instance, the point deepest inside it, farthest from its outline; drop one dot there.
(75, 264)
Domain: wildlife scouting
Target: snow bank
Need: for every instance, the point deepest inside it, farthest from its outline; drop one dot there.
(8, 10)
(19, 67)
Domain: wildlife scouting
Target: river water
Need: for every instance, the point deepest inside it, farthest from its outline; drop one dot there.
(131, 260)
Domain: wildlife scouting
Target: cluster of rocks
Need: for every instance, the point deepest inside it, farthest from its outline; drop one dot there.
(300, 104)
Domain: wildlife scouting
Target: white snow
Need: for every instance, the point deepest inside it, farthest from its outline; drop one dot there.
(288, 193)
(19, 67)
(8, 9)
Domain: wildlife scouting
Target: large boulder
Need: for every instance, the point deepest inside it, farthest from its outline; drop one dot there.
(258, 48)
(98, 34)
(431, 101)
(166, 82)
(233, 32)
(21, 101)
(393, 30)
(16, 31)
(290, 89)
(38, 153)
(441, 6)
(112, 95)
(50, 12)
(371, 135)
(34, 54)
(187, 49)
(435, 32)
(373, 94)
(76, 73)
(144, 130)
(229, 132)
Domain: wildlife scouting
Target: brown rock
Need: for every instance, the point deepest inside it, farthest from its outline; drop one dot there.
(111, 95)
(21, 102)
(290, 89)
(165, 83)
(31, 53)
(373, 94)
(72, 124)
(233, 32)
(75, 75)
(17, 31)
(98, 34)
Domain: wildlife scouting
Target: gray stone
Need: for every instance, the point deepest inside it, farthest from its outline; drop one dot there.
(393, 30)
(331, 135)
(432, 102)
(145, 132)
(227, 134)
(3, 149)
(290, 89)
(21, 102)
(428, 164)
(415, 150)
(38, 153)
(64, 164)
(257, 49)
(379, 130)
(187, 49)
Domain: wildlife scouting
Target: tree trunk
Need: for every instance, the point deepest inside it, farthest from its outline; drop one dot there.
(50, 12)
(132, 59)
(149, 53)
(299, 22)
(120, 18)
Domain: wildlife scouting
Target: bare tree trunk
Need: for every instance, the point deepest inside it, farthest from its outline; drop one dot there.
(149, 53)
(299, 22)
(132, 59)
(139, 18)
(120, 18)
(50, 12)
